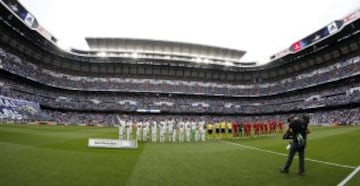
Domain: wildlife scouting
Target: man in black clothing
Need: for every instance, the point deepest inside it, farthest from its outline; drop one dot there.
(240, 128)
(298, 130)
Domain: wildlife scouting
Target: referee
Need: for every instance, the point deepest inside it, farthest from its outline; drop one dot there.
(298, 129)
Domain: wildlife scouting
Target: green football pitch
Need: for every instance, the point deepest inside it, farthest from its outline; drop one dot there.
(58, 155)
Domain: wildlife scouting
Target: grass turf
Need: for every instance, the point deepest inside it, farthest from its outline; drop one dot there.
(58, 155)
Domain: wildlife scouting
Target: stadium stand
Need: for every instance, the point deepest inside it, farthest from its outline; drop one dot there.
(79, 87)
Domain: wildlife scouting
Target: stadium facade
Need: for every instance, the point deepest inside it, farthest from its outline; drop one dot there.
(319, 74)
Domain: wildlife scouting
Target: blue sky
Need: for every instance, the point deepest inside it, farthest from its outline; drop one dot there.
(260, 27)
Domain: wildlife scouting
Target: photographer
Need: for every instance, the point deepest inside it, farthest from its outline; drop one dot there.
(297, 131)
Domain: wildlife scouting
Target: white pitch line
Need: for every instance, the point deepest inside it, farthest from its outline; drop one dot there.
(282, 154)
(352, 174)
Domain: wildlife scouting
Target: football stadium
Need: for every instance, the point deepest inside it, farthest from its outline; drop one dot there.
(153, 112)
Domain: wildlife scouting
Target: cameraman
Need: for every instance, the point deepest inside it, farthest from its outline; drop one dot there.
(297, 131)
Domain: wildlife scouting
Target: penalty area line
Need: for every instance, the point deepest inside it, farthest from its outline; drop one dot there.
(282, 154)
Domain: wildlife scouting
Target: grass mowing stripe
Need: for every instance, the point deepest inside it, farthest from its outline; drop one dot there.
(188, 164)
(37, 155)
(282, 154)
(348, 178)
(30, 155)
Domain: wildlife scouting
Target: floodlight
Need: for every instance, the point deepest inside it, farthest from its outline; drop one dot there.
(228, 63)
(102, 54)
(198, 60)
(134, 55)
(206, 60)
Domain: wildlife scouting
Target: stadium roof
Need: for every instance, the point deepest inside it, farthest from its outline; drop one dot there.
(164, 48)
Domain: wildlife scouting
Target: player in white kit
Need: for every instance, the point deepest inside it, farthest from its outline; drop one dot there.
(122, 129)
(129, 127)
(138, 130)
(202, 129)
(146, 130)
(193, 130)
(154, 130)
(174, 130)
(181, 130)
(188, 130)
(170, 128)
(162, 130)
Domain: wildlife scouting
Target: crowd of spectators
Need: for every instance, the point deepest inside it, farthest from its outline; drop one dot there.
(338, 116)
(105, 101)
(78, 118)
(320, 118)
(21, 67)
(76, 95)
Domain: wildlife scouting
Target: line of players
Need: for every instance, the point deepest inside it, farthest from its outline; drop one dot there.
(246, 129)
(194, 130)
(168, 130)
(263, 128)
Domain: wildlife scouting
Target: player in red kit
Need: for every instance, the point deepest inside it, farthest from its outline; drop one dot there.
(262, 126)
(235, 129)
(266, 127)
(281, 126)
(247, 129)
(256, 127)
(271, 125)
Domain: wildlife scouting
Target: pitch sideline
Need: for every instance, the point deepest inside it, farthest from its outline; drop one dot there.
(348, 178)
(282, 154)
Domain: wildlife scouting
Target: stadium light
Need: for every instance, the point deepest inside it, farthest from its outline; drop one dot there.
(134, 55)
(199, 60)
(101, 54)
(228, 63)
